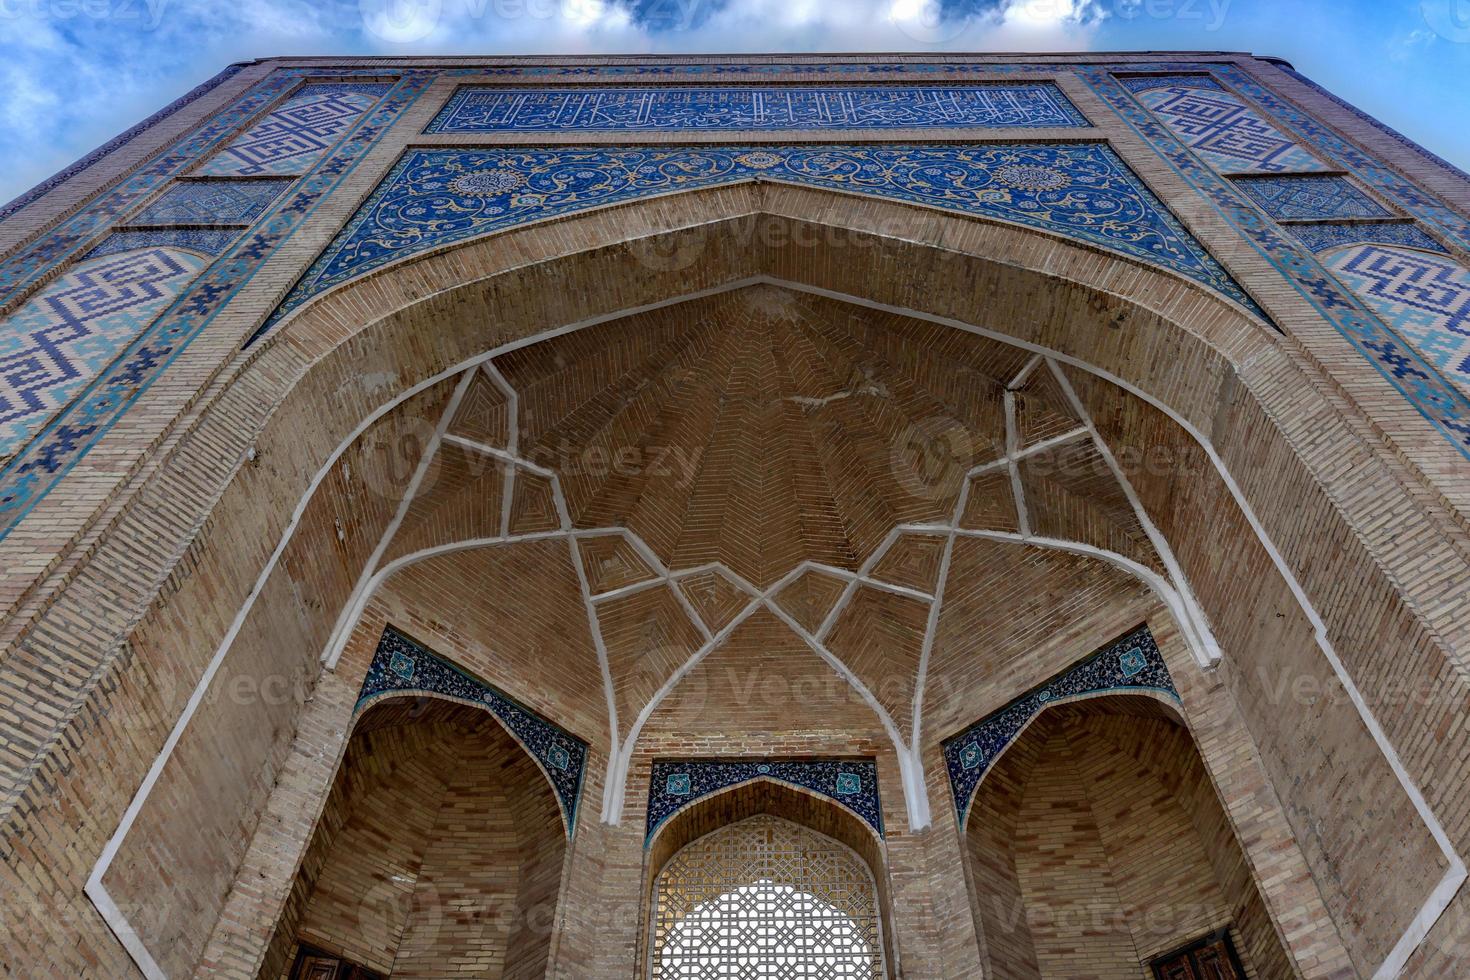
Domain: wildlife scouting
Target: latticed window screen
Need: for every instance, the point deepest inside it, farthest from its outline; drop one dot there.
(765, 898)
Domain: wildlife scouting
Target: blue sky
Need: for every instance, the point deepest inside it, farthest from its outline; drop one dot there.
(75, 72)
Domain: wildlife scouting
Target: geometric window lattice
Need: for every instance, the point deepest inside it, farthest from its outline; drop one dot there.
(1310, 197)
(1424, 298)
(292, 137)
(212, 202)
(1225, 132)
(64, 335)
(483, 110)
(766, 899)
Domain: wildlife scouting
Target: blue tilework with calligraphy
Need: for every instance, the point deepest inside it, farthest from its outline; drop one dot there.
(490, 110)
(1132, 663)
(1310, 197)
(295, 135)
(1424, 298)
(1226, 133)
(1320, 237)
(436, 197)
(26, 479)
(676, 783)
(69, 331)
(212, 202)
(402, 666)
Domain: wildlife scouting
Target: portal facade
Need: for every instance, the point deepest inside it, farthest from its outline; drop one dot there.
(899, 517)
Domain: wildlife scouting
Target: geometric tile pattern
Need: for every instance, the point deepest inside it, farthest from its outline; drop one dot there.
(118, 141)
(29, 476)
(1319, 237)
(1132, 663)
(1444, 405)
(64, 335)
(1225, 132)
(765, 899)
(1379, 125)
(435, 197)
(1425, 298)
(212, 202)
(292, 137)
(1310, 197)
(26, 267)
(676, 783)
(1344, 155)
(400, 665)
(488, 110)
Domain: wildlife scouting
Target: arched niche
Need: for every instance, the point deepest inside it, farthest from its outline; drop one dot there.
(1171, 364)
(440, 849)
(830, 825)
(1096, 841)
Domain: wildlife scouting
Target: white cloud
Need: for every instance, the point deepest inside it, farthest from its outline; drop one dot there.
(68, 81)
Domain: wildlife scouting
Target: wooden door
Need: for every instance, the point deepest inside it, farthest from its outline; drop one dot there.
(1210, 958)
(315, 964)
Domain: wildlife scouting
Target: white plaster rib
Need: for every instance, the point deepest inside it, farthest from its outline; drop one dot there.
(1432, 909)
(1013, 448)
(1195, 622)
(338, 636)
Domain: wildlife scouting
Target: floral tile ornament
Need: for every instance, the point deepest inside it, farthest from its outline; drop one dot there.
(403, 666)
(1310, 197)
(1131, 663)
(435, 197)
(676, 783)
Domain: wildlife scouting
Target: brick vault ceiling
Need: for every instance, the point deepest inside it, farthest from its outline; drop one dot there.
(763, 427)
(762, 469)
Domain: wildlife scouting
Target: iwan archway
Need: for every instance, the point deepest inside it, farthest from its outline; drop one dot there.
(931, 462)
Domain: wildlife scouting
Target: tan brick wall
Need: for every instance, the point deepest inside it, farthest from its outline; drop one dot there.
(1086, 861)
(446, 855)
(118, 589)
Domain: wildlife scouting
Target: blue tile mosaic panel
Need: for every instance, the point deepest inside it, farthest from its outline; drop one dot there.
(1423, 387)
(1226, 133)
(295, 135)
(1132, 663)
(118, 141)
(435, 197)
(1424, 298)
(205, 241)
(27, 478)
(1320, 237)
(69, 331)
(401, 666)
(212, 202)
(35, 470)
(494, 110)
(1307, 198)
(850, 783)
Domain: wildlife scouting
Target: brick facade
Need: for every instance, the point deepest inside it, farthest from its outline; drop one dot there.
(755, 469)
